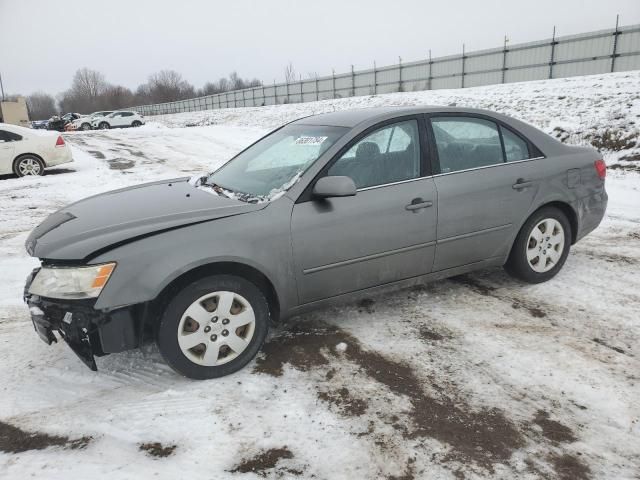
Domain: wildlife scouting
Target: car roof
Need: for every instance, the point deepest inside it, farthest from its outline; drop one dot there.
(351, 118)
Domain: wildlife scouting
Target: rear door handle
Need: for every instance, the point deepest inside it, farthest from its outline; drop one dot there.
(417, 204)
(521, 183)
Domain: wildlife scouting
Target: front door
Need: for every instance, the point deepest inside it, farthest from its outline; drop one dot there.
(385, 233)
(486, 186)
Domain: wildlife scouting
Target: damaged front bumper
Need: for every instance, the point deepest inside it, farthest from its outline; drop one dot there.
(87, 331)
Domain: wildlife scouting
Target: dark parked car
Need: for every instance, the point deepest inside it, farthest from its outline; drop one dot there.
(40, 124)
(323, 209)
(58, 123)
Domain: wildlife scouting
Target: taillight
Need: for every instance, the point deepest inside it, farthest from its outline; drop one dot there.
(601, 168)
(60, 141)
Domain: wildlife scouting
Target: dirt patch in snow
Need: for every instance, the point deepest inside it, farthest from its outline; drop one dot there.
(366, 305)
(483, 436)
(569, 467)
(97, 154)
(264, 461)
(430, 335)
(156, 449)
(552, 429)
(605, 344)
(15, 440)
(120, 164)
(534, 310)
(344, 400)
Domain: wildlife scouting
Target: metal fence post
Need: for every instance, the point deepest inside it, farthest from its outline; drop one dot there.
(275, 93)
(353, 82)
(264, 98)
(375, 79)
(430, 72)
(253, 97)
(616, 33)
(288, 101)
(317, 90)
(333, 77)
(463, 61)
(301, 92)
(504, 58)
(553, 52)
(399, 73)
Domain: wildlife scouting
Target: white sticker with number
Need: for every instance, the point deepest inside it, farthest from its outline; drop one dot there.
(314, 141)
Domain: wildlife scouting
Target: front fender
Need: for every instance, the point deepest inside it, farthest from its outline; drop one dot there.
(260, 240)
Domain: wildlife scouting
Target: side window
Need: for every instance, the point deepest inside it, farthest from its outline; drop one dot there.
(465, 142)
(127, 114)
(6, 136)
(515, 148)
(387, 155)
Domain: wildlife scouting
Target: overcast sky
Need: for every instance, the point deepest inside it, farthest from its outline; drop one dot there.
(43, 42)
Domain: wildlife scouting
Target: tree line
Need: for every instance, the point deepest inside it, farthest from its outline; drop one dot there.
(90, 92)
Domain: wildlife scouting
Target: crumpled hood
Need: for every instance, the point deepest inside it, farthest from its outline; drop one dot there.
(95, 223)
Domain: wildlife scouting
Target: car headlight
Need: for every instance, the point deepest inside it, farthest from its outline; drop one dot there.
(71, 282)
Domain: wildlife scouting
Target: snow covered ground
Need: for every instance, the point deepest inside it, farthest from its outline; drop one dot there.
(470, 377)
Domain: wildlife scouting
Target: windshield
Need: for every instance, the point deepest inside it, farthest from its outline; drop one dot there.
(273, 165)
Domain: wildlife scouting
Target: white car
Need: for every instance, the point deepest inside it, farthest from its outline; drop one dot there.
(25, 151)
(119, 119)
(84, 122)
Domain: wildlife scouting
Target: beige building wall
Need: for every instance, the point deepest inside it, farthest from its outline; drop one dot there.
(15, 112)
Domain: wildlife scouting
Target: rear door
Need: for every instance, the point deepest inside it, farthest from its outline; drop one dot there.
(6, 151)
(486, 181)
(385, 233)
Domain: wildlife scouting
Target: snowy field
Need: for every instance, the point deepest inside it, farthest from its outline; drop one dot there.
(473, 377)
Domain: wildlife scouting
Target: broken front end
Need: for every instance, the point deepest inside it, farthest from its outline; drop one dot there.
(89, 332)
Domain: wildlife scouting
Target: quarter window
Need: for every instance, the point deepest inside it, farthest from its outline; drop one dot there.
(6, 136)
(515, 148)
(387, 155)
(465, 142)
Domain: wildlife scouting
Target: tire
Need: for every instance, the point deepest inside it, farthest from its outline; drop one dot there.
(541, 247)
(136, 123)
(28, 165)
(104, 126)
(197, 346)
(85, 126)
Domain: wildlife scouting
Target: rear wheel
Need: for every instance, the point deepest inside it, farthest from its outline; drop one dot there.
(28, 165)
(541, 247)
(213, 327)
(104, 126)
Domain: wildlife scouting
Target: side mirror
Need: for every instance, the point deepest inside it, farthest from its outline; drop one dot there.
(334, 186)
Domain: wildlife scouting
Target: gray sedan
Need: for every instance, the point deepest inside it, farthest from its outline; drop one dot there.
(323, 209)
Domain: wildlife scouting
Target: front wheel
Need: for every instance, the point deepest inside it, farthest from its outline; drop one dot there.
(85, 126)
(541, 247)
(213, 327)
(136, 123)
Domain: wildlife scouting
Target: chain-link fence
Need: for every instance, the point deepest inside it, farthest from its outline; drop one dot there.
(603, 51)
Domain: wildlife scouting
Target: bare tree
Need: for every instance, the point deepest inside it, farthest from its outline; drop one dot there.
(41, 106)
(167, 86)
(88, 83)
(290, 75)
(313, 76)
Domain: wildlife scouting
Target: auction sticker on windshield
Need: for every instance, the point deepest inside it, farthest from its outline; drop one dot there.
(310, 140)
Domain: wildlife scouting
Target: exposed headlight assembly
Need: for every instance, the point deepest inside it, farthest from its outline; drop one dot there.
(71, 282)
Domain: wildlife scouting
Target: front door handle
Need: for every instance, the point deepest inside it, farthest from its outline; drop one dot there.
(521, 183)
(417, 204)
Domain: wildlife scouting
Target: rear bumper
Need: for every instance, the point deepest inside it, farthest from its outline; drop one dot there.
(60, 155)
(87, 331)
(591, 211)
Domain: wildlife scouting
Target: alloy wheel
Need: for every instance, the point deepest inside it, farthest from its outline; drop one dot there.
(29, 166)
